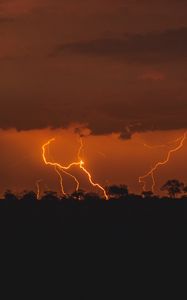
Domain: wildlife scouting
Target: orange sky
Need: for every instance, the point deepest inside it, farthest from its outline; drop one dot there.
(109, 159)
(111, 66)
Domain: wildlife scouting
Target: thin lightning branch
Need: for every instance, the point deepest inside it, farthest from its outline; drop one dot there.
(142, 179)
(80, 149)
(72, 176)
(61, 180)
(66, 173)
(38, 189)
(64, 169)
(54, 164)
(91, 181)
(58, 166)
(75, 179)
(164, 145)
(153, 182)
(88, 173)
(154, 147)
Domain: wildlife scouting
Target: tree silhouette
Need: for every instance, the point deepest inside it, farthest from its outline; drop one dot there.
(92, 197)
(173, 187)
(78, 195)
(185, 190)
(147, 194)
(117, 190)
(9, 196)
(29, 197)
(50, 196)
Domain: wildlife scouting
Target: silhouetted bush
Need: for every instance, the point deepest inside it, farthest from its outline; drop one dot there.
(117, 190)
(173, 187)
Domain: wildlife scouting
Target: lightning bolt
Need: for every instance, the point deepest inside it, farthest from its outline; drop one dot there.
(38, 193)
(97, 185)
(61, 180)
(154, 147)
(64, 169)
(163, 145)
(54, 164)
(142, 179)
(80, 148)
(58, 167)
(153, 182)
(91, 181)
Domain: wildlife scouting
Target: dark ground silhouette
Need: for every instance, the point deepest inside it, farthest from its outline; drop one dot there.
(84, 219)
(127, 237)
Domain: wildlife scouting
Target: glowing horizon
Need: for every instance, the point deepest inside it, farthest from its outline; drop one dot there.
(122, 162)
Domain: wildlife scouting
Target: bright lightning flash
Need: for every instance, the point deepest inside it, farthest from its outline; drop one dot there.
(87, 172)
(61, 180)
(142, 179)
(59, 168)
(80, 163)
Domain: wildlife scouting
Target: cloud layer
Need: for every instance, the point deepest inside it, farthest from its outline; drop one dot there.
(112, 67)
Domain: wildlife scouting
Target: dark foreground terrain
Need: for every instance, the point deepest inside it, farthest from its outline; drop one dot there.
(126, 222)
(127, 237)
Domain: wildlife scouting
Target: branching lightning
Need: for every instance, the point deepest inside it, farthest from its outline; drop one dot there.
(169, 144)
(59, 168)
(142, 179)
(154, 147)
(97, 185)
(61, 180)
(54, 164)
(65, 169)
(91, 181)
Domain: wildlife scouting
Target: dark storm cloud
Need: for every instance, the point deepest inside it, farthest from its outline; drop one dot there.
(98, 76)
(4, 20)
(150, 47)
(104, 118)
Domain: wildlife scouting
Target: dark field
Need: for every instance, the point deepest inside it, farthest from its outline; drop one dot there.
(138, 242)
(126, 222)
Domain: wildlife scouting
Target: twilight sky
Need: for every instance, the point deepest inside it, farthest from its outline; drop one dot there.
(115, 67)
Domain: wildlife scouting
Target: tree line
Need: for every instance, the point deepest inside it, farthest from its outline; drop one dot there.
(174, 188)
